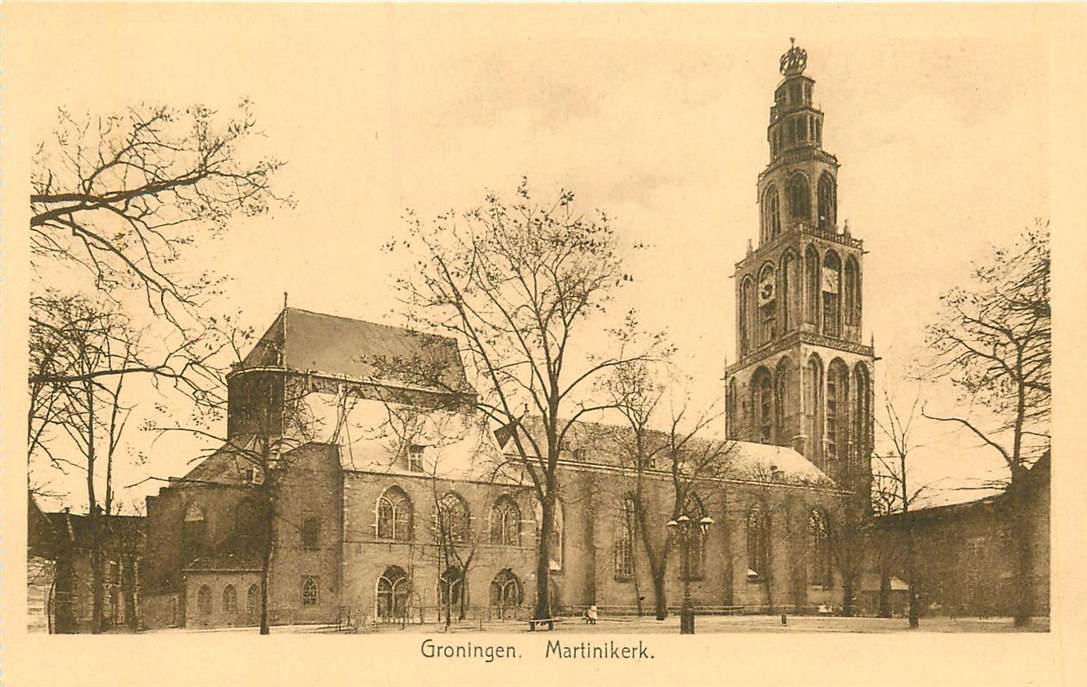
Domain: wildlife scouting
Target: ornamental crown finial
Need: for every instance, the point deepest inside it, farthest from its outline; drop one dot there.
(794, 60)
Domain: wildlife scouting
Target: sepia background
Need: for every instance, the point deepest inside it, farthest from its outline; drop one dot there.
(956, 126)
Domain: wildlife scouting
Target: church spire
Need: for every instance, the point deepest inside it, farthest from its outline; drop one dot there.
(798, 188)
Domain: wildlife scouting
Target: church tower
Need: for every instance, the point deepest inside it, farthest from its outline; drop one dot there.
(803, 376)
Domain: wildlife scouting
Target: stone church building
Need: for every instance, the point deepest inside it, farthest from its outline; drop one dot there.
(393, 499)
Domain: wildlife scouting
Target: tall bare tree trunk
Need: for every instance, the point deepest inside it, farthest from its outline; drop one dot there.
(543, 560)
(658, 562)
(660, 595)
(911, 572)
(634, 574)
(266, 546)
(1024, 558)
(885, 610)
(92, 513)
(848, 592)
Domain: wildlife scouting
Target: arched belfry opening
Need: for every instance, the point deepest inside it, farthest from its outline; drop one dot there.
(803, 374)
(828, 201)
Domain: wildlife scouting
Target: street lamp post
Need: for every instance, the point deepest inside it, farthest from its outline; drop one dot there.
(685, 528)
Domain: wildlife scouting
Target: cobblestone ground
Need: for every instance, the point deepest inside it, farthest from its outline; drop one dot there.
(703, 624)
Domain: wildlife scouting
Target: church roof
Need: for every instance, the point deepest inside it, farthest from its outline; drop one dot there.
(607, 444)
(227, 465)
(344, 347)
(117, 531)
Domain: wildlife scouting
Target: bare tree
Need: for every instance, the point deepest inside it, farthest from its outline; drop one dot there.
(79, 422)
(122, 196)
(273, 428)
(848, 536)
(894, 489)
(993, 342)
(885, 499)
(516, 284)
(420, 432)
(456, 542)
(117, 202)
(678, 454)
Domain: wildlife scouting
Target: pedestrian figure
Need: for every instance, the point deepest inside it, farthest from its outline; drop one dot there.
(591, 615)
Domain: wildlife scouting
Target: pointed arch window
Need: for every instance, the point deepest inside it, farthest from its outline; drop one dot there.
(787, 292)
(252, 602)
(203, 600)
(310, 591)
(746, 299)
(772, 214)
(624, 538)
(762, 402)
(837, 410)
(827, 194)
(394, 515)
(230, 599)
(852, 292)
(862, 414)
(811, 285)
(506, 522)
(451, 588)
(452, 518)
(506, 593)
(832, 289)
(813, 404)
(731, 421)
(696, 544)
(393, 588)
(757, 552)
(784, 402)
(819, 570)
(767, 305)
(799, 198)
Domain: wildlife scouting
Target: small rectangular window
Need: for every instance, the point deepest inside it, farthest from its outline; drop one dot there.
(310, 593)
(415, 458)
(311, 532)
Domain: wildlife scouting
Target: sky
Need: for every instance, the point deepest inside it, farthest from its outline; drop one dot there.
(941, 121)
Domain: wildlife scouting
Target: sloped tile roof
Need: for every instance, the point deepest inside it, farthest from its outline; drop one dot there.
(125, 531)
(340, 346)
(226, 466)
(741, 460)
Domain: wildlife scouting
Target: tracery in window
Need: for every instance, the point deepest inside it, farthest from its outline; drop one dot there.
(819, 542)
(394, 515)
(451, 518)
(310, 591)
(756, 542)
(393, 589)
(624, 538)
(230, 599)
(506, 522)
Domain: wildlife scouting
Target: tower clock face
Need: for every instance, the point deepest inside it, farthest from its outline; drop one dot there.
(766, 289)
